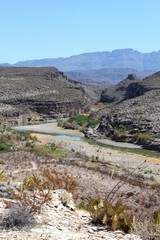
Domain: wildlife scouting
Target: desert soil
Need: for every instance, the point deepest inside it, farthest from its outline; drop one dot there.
(60, 223)
(122, 161)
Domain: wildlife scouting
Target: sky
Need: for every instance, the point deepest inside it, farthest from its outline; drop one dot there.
(37, 29)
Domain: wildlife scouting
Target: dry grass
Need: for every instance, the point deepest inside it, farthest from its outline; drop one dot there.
(18, 217)
(147, 230)
(36, 189)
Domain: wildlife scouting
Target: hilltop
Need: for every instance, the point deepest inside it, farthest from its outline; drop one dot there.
(41, 92)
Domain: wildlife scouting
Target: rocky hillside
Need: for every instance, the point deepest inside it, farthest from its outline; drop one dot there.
(45, 92)
(117, 93)
(134, 114)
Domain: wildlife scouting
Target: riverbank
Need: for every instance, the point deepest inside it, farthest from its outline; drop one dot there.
(50, 128)
(122, 161)
(118, 144)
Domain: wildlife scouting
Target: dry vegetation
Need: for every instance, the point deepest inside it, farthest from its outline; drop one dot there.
(28, 176)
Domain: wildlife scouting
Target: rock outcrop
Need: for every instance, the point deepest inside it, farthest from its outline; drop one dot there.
(135, 109)
(117, 93)
(60, 221)
(44, 92)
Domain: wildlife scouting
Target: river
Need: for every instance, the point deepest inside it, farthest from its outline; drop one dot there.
(53, 129)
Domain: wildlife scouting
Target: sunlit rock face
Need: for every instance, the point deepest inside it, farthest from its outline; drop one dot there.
(43, 91)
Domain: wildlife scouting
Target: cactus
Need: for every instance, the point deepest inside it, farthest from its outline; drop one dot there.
(157, 218)
(104, 212)
(1, 176)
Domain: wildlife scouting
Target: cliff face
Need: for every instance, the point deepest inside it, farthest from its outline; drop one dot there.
(117, 93)
(40, 91)
(135, 110)
(151, 83)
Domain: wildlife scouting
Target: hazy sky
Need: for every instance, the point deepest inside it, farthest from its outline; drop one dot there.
(35, 29)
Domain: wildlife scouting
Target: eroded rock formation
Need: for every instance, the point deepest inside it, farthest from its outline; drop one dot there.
(43, 92)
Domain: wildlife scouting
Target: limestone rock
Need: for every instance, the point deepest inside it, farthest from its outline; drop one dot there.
(48, 93)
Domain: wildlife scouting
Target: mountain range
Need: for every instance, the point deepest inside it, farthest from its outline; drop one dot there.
(101, 67)
(120, 58)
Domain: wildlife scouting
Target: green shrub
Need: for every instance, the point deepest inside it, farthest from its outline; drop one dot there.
(26, 136)
(29, 145)
(79, 122)
(120, 133)
(156, 136)
(143, 137)
(84, 120)
(48, 150)
(5, 146)
(93, 122)
(79, 119)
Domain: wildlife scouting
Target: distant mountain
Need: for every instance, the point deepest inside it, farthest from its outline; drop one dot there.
(105, 77)
(5, 65)
(122, 58)
(100, 68)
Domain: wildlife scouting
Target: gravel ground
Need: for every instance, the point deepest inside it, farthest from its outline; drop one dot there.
(123, 161)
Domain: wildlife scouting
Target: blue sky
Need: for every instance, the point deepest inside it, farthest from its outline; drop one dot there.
(36, 29)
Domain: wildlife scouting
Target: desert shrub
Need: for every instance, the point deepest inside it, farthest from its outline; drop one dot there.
(68, 125)
(79, 122)
(24, 136)
(5, 146)
(9, 137)
(32, 193)
(29, 145)
(142, 137)
(156, 136)
(120, 132)
(111, 211)
(59, 180)
(147, 229)
(36, 190)
(84, 119)
(48, 150)
(18, 216)
(104, 212)
(79, 119)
